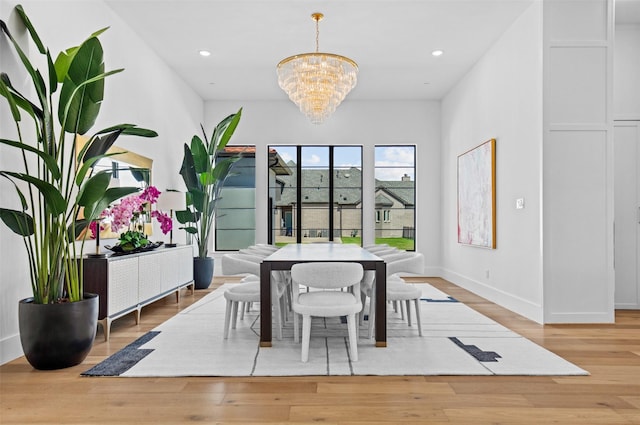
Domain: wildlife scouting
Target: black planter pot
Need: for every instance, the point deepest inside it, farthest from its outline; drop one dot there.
(55, 336)
(202, 272)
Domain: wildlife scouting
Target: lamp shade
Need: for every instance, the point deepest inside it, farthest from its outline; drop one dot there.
(171, 200)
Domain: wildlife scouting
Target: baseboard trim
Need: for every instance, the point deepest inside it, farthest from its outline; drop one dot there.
(581, 317)
(10, 349)
(518, 305)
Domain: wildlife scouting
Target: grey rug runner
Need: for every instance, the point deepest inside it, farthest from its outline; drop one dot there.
(457, 341)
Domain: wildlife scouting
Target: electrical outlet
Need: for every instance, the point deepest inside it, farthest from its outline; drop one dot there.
(520, 203)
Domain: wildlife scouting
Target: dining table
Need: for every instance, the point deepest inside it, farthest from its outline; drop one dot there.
(291, 254)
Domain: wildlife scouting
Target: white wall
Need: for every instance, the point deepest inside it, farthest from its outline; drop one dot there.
(626, 68)
(501, 98)
(14, 280)
(354, 122)
(147, 93)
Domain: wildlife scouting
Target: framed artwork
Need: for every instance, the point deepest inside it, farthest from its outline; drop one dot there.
(477, 196)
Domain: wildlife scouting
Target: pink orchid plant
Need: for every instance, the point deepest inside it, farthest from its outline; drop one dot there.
(128, 213)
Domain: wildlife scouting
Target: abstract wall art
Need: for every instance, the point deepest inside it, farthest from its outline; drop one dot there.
(477, 196)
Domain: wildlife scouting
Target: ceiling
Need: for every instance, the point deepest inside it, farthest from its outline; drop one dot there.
(391, 40)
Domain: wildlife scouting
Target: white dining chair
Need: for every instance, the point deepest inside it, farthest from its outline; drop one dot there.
(397, 289)
(266, 247)
(248, 291)
(326, 299)
(375, 247)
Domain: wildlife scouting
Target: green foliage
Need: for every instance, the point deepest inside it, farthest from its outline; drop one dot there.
(52, 191)
(132, 239)
(204, 175)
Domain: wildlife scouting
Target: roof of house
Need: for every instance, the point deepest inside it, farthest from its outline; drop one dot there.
(347, 188)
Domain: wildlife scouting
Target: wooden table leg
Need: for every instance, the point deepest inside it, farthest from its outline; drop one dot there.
(265, 304)
(381, 304)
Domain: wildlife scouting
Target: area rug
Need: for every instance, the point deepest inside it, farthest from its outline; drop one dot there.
(457, 341)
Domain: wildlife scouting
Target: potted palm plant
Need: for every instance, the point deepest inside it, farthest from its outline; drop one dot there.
(204, 174)
(55, 186)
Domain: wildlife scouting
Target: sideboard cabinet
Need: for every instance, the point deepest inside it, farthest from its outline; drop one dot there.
(129, 282)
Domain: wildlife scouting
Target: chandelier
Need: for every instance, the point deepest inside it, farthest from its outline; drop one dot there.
(317, 82)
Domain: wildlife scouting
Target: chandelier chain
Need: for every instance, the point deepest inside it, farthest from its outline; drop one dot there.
(317, 35)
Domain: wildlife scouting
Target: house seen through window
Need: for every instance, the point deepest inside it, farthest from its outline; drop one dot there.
(395, 194)
(315, 194)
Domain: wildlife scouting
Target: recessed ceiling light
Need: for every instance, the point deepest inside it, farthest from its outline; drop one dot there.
(204, 53)
(437, 52)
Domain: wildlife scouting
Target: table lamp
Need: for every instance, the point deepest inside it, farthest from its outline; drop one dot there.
(171, 200)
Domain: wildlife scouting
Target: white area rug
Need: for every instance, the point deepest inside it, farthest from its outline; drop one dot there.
(457, 341)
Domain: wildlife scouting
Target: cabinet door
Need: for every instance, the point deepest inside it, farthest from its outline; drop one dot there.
(627, 214)
(123, 284)
(151, 269)
(178, 267)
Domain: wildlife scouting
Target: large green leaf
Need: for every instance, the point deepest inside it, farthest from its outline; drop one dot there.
(53, 75)
(186, 216)
(20, 101)
(129, 130)
(141, 174)
(229, 130)
(222, 169)
(94, 188)
(83, 105)
(76, 228)
(201, 159)
(192, 230)
(98, 145)
(50, 161)
(19, 222)
(36, 78)
(4, 92)
(218, 131)
(199, 199)
(64, 59)
(86, 166)
(53, 198)
(188, 170)
(32, 31)
(93, 210)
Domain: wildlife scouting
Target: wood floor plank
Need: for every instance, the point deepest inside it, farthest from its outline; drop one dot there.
(609, 395)
(565, 416)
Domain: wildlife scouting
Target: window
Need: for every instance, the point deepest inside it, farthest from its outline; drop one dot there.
(315, 194)
(395, 195)
(235, 219)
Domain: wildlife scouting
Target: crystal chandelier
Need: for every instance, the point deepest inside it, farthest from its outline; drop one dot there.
(317, 82)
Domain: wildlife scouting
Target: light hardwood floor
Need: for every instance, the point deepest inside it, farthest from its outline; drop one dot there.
(610, 395)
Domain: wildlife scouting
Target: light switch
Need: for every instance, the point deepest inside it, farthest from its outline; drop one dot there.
(520, 203)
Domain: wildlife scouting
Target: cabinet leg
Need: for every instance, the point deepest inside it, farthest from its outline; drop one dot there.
(178, 295)
(106, 327)
(138, 313)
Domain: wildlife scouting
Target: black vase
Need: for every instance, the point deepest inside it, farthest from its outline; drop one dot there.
(55, 336)
(202, 272)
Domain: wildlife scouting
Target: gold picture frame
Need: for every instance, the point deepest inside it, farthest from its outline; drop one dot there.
(127, 157)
